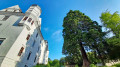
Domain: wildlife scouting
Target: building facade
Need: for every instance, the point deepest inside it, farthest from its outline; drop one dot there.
(21, 41)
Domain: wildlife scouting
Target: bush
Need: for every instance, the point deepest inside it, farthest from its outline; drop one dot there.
(116, 65)
(93, 65)
(41, 65)
(76, 66)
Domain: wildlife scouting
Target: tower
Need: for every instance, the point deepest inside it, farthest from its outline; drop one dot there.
(21, 40)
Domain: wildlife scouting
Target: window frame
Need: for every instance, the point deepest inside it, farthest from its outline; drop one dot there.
(25, 66)
(5, 18)
(30, 19)
(36, 35)
(21, 51)
(29, 55)
(35, 59)
(28, 37)
(33, 43)
(2, 40)
(25, 18)
(38, 48)
(32, 22)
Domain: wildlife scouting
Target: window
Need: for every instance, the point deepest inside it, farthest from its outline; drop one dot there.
(2, 16)
(21, 51)
(32, 22)
(29, 55)
(38, 48)
(29, 20)
(40, 41)
(35, 58)
(0, 24)
(33, 43)
(1, 40)
(37, 35)
(28, 37)
(25, 66)
(25, 18)
(5, 18)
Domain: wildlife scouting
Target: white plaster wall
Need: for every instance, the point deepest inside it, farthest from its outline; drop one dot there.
(46, 57)
(12, 59)
(10, 35)
(42, 52)
(22, 42)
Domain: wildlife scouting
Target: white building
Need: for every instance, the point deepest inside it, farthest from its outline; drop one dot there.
(21, 41)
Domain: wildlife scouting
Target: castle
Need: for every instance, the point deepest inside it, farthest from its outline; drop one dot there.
(21, 40)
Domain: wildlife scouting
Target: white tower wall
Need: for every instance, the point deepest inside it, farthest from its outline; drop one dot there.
(23, 44)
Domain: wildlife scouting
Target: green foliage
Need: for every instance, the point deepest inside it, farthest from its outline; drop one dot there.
(76, 66)
(48, 65)
(49, 59)
(93, 58)
(80, 31)
(116, 65)
(55, 62)
(93, 65)
(62, 61)
(112, 22)
(50, 62)
(40, 65)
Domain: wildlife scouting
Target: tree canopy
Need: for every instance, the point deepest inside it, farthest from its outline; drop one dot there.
(79, 31)
(112, 22)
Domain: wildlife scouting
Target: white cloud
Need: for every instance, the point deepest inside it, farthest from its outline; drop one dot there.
(57, 35)
(46, 29)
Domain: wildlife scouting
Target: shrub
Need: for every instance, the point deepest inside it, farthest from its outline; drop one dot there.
(93, 65)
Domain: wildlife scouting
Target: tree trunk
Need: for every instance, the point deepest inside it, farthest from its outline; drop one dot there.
(86, 62)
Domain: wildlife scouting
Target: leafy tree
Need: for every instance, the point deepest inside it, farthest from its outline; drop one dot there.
(79, 31)
(48, 65)
(55, 63)
(92, 57)
(49, 59)
(95, 39)
(62, 61)
(72, 60)
(112, 22)
(113, 48)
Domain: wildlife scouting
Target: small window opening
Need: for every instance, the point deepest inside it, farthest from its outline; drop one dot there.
(25, 18)
(29, 55)
(28, 37)
(5, 18)
(21, 51)
(29, 20)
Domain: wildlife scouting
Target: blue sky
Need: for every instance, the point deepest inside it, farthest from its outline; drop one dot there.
(54, 11)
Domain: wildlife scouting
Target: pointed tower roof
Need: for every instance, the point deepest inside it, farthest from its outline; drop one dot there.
(15, 8)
